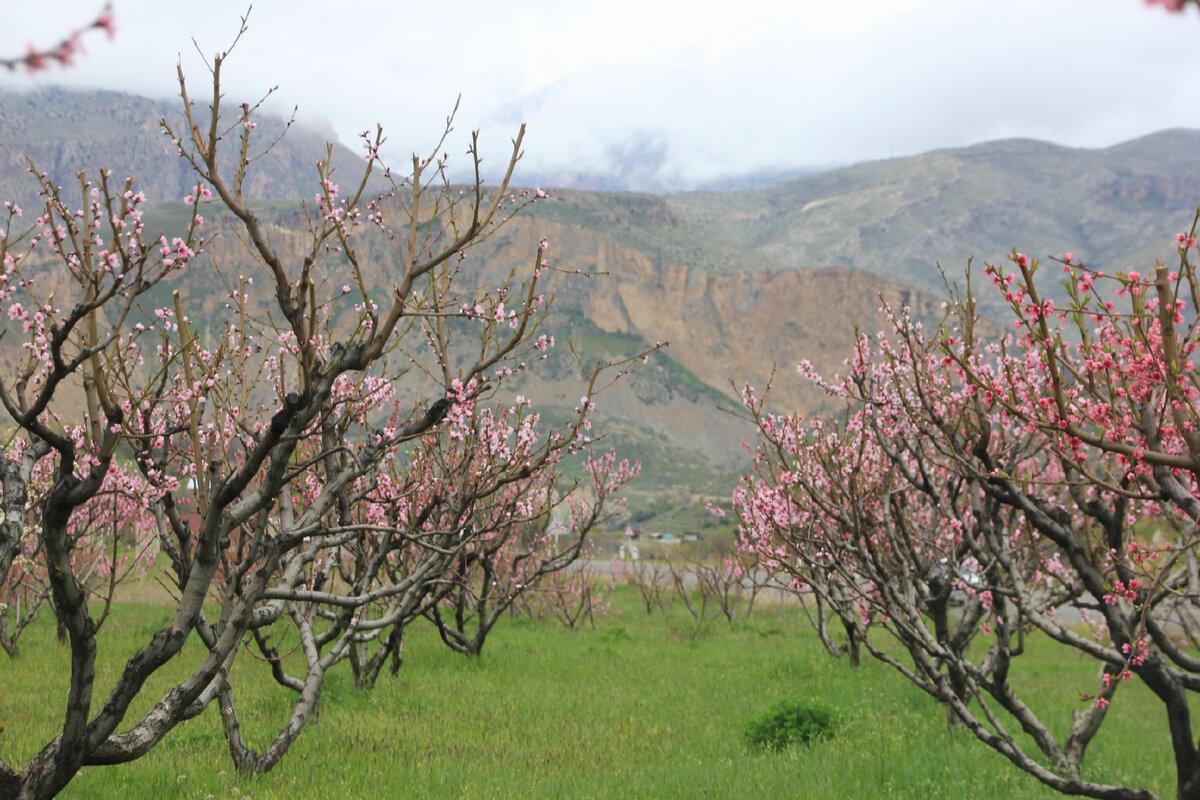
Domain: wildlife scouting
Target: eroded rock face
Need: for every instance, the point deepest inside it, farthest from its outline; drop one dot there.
(724, 329)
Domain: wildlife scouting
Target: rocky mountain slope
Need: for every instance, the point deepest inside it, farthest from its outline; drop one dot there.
(1116, 208)
(63, 131)
(738, 282)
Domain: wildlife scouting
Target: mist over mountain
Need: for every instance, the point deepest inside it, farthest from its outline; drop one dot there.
(640, 163)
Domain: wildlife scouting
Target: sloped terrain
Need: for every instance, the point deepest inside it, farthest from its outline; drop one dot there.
(739, 282)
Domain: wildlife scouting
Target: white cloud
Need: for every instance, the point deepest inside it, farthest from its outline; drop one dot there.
(717, 89)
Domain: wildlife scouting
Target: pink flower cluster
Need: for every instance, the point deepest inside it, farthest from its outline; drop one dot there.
(37, 59)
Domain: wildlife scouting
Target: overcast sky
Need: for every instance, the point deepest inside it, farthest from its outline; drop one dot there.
(672, 92)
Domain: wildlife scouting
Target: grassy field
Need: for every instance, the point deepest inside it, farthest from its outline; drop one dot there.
(642, 706)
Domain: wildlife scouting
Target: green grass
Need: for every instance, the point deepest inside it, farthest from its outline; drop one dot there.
(643, 706)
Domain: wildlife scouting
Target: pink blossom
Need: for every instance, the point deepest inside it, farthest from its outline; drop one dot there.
(107, 22)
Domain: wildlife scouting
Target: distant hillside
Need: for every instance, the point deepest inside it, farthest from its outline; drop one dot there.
(612, 300)
(738, 282)
(1116, 208)
(64, 131)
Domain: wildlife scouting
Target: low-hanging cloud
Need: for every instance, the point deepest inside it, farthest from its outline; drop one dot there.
(657, 100)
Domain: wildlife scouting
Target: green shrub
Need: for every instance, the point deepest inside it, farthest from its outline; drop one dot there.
(790, 721)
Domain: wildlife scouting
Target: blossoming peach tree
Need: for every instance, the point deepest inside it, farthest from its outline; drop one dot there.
(981, 487)
(526, 563)
(100, 561)
(313, 469)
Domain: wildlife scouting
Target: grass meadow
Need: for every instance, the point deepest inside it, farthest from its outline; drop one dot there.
(643, 706)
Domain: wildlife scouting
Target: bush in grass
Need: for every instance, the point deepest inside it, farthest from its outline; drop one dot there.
(790, 721)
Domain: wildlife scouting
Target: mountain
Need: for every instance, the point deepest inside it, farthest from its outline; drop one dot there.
(63, 131)
(1116, 208)
(611, 300)
(739, 282)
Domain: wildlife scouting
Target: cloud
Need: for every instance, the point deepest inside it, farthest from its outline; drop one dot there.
(709, 93)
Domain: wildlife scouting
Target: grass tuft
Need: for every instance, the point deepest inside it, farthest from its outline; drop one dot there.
(790, 722)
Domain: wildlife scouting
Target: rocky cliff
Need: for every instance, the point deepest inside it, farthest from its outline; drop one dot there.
(64, 131)
(740, 283)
